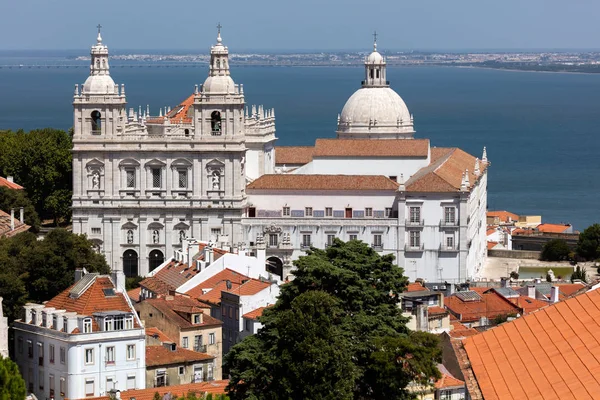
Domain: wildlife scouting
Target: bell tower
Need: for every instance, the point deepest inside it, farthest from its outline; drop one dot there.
(375, 68)
(99, 104)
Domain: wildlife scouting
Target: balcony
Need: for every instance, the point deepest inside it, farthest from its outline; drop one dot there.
(416, 223)
(448, 224)
(449, 249)
(305, 246)
(418, 248)
(216, 133)
(377, 246)
(200, 348)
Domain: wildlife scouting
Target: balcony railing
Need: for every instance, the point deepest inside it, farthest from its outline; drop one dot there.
(448, 248)
(377, 246)
(448, 224)
(411, 222)
(200, 348)
(216, 133)
(305, 246)
(419, 247)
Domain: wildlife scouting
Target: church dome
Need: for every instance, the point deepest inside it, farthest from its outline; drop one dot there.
(375, 58)
(99, 84)
(219, 84)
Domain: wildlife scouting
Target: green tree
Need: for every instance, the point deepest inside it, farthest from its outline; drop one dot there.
(344, 300)
(37, 270)
(12, 385)
(40, 161)
(588, 245)
(555, 250)
(16, 199)
(579, 273)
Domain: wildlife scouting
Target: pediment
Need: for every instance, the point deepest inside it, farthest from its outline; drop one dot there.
(181, 162)
(155, 163)
(181, 226)
(155, 225)
(95, 165)
(129, 162)
(129, 225)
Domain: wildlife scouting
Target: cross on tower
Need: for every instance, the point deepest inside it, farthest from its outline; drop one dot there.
(219, 28)
(375, 36)
(99, 27)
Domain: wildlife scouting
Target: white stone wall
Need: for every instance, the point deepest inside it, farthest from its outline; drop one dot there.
(365, 166)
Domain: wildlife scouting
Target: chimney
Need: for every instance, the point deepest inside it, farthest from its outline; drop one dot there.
(554, 294)
(538, 280)
(22, 215)
(12, 219)
(78, 274)
(503, 282)
(531, 291)
(192, 249)
(10, 179)
(118, 278)
(422, 318)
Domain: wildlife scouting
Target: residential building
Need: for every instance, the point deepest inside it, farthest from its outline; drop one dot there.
(501, 218)
(251, 322)
(10, 226)
(479, 306)
(176, 391)
(9, 183)
(425, 309)
(445, 388)
(207, 169)
(84, 342)
(187, 322)
(549, 354)
(168, 364)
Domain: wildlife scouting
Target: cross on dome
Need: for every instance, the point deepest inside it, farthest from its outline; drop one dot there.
(375, 41)
(99, 39)
(219, 26)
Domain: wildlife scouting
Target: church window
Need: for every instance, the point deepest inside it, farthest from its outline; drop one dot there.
(415, 239)
(377, 240)
(183, 178)
(377, 73)
(449, 215)
(96, 122)
(273, 240)
(286, 211)
(371, 73)
(130, 178)
(415, 215)
(251, 212)
(306, 242)
(308, 211)
(368, 212)
(156, 178)
(328, 211)
(215, 122)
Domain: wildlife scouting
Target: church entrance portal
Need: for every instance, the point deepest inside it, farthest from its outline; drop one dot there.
(130, 263)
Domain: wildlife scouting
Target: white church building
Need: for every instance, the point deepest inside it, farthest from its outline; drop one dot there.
(208, 169)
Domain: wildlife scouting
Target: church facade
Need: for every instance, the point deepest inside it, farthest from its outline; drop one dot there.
(208, 169)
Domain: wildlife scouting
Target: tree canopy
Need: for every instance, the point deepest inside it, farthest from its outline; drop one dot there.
(588, 246)
(40, 161)
(12, 385)
(16, 199)
(336, 332)
(37, 270)
(555, 250)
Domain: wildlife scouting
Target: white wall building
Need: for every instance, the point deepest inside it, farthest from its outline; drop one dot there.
(84, 342)
(3, 332)
(206, 169)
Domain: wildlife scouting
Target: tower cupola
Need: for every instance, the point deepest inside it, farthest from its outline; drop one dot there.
(375, 68)
(219, 79)
(99, 81)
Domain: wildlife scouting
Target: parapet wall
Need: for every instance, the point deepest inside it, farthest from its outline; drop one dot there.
(518, 254)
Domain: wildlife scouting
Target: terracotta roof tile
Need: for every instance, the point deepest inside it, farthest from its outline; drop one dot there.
(448, 381)
(181, 391)
(371, 148)
(444, 174)
(92, 300)
(222, 277)
(176, 308)
(549, 354)
(323, 182)
(491, 245)
(8, 184)
(254, 314)
(5, 230)
(528, 304)
(182, 114)
(503, 216)
(160, 335)
(160, 355)
(553, 228)
(134, 294)
(415, 287)
(490, 305)
(250, 287)
(291, 155)
(436, 311)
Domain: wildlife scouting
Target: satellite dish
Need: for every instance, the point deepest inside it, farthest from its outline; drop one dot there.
(228, 284)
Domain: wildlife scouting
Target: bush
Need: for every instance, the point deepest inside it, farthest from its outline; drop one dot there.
(579, 273)
(555, 250)
(588, 245)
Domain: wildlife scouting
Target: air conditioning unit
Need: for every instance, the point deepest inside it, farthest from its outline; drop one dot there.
(435, 288)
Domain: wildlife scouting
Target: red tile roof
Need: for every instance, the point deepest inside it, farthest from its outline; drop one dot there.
(550, 354)
(8, 184)
(222, 277)
(249, 287)
(134, 294)
(181, 391)
(160, 335)
(5, 230)
(254, 314)
(176, 308)
(183, 113)
(416, 287)
(491, 245)
(371, 148)
(445, 172)
(553, 228)
(292, 155)
(447, 381)
(92, 300)
(503, 216)
(323, 182)
(528, 304)
(160, 355)
(490, 305)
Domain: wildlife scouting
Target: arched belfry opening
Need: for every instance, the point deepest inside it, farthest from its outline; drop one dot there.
(215, 121)
(96, 122)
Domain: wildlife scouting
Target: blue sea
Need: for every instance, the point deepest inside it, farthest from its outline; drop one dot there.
(542, 130)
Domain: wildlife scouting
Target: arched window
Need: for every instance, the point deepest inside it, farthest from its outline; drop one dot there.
(187, 132)
(371, 73)
(215, 121)
(130, 263)
(377, 73)
(275, 266)
(156, 258)
(96, 122)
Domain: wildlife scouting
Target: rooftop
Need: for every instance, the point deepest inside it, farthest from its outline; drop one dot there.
(472, 305)
(220, 278)
(292, 155)
(5, 230)
(180, 391)
(160, 355)
(553, 228)
(503, 216)
(254, 314)
(553, 353)
(9, 183)
(371, 148)
(160, 335)
(176, 308)
(323, 182)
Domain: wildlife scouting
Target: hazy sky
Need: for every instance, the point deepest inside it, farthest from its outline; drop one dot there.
(302, 24)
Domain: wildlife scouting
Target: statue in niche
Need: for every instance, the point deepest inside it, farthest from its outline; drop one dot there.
(243, 162)
(95, 180)
(130, 237)
(216, 180)
(181, 236)
(155, 236)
